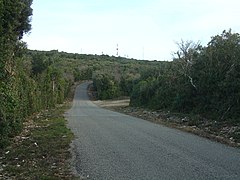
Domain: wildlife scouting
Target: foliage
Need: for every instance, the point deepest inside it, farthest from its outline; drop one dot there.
(15, 21)
(106, 86)
(28, 83)
(217, 76)
(203, 80)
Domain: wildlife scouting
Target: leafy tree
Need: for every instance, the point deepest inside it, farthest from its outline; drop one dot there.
(39, 64)
(203, 80)
(106, 86)
(15, 21)
(216, 73)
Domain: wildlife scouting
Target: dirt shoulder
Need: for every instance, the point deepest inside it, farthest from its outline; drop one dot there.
(42, 149)
(221, 132)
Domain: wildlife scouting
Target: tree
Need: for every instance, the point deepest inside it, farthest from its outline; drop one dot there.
(15, 20)
(217, 76)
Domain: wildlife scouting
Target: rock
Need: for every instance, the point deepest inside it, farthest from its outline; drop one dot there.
(145, 112)
(23, 138)
(185, 119)
(7, 152)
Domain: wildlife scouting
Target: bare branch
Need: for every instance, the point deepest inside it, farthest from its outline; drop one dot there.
(191, 81)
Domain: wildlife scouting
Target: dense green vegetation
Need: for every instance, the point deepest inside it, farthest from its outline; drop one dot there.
(15, 17)
(112, 76)
(27, 83)
(201, 80)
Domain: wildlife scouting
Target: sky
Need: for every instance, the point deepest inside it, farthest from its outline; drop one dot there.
(142, 29)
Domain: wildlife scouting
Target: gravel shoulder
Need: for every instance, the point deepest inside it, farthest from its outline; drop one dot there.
(220, 132)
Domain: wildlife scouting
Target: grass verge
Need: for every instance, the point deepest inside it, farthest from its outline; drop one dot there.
(41, 151)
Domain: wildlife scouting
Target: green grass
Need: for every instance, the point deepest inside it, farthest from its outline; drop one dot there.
(41, 151)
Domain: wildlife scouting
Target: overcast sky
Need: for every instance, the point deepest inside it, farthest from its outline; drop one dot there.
(143, 29)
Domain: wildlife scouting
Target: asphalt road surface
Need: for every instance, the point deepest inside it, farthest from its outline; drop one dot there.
(111, 145)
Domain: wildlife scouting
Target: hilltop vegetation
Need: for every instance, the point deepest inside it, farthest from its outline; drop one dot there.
(199, 80)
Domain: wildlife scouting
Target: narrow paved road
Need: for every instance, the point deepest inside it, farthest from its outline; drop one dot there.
(111, 145)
